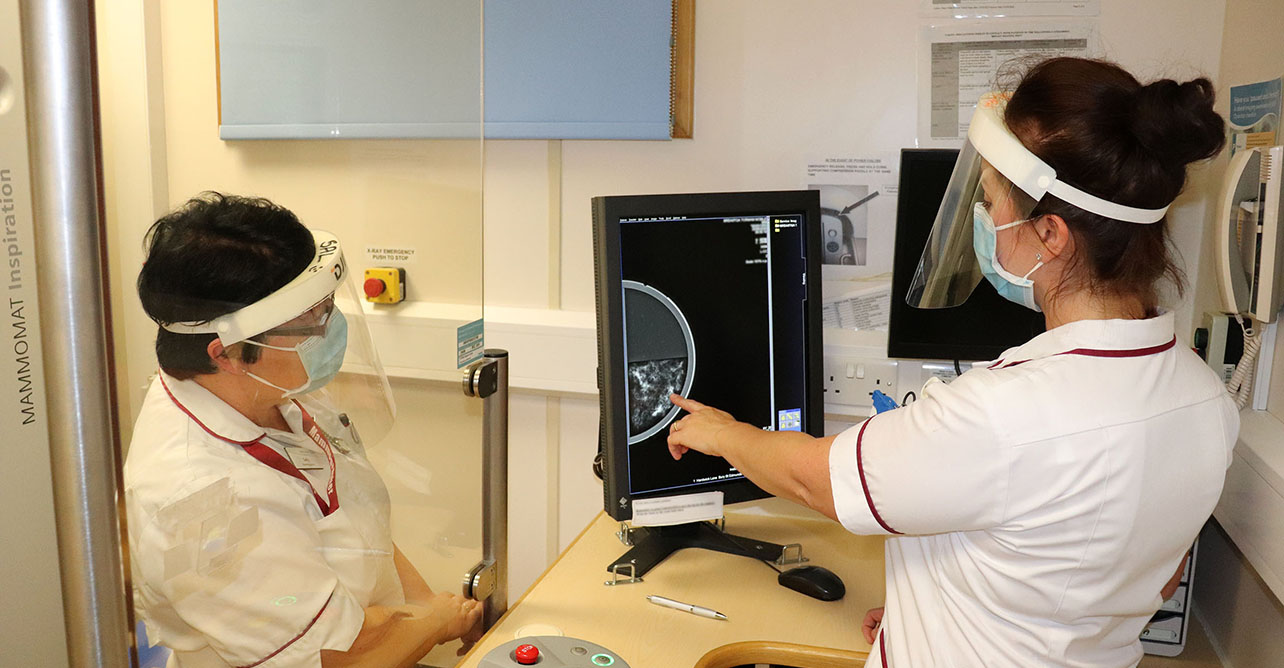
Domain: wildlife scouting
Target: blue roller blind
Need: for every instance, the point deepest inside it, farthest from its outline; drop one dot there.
(412, 68)
(578, 69)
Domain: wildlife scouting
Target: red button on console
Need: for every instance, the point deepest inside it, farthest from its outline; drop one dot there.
(526, 654)
(374, 287)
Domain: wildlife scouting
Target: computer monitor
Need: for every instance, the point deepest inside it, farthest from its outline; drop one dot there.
(979, 329)
(715, 297)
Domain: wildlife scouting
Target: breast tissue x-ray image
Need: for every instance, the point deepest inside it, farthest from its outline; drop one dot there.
(697, 322)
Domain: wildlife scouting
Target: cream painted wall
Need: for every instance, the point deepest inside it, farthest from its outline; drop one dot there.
(135, 182)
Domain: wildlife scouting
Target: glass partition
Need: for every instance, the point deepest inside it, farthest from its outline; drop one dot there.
(365, 120)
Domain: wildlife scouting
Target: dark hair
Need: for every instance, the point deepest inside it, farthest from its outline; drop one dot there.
(211, 256)
(1107, 134)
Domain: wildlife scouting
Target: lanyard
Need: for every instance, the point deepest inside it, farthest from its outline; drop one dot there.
(273, 459)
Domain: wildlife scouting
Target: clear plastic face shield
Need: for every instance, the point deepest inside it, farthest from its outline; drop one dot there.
(324, 352)
(996, 185)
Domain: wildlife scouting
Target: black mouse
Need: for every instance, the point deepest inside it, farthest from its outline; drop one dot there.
(814, 581)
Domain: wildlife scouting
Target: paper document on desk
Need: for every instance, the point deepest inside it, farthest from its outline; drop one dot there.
(666, 510)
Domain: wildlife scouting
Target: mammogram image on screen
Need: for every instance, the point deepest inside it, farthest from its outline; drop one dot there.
(650, 384)
(711, 312)
(661, 358)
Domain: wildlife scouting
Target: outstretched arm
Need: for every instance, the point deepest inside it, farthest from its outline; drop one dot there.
(790, 465)
(412, 583)
(401, 635)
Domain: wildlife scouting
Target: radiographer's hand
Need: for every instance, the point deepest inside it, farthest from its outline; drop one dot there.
(455, 615)
(872, 619)
(471, 637)
(700, 429)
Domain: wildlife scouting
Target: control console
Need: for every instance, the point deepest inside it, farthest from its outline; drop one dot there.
(551, 652)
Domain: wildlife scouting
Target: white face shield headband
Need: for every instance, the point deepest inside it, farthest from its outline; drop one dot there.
(320, 279)
(995, 170)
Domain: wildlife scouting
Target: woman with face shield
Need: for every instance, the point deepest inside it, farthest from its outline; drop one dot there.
(258, 530)
(1037, 506)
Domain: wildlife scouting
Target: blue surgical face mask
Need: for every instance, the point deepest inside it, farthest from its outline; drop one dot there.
(322, 356)
(1019, 289)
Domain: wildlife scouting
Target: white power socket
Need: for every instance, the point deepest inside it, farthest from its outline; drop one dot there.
(851, 381)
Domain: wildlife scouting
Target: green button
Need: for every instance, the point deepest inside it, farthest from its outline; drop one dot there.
(603, 659)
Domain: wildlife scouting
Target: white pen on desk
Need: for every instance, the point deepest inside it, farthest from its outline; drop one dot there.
(686, 607)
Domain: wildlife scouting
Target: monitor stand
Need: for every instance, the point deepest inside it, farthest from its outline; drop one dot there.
(651, 545)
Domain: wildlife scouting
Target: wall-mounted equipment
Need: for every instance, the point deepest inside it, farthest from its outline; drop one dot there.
(1250, 251)
(1250, 246)
(385, 285)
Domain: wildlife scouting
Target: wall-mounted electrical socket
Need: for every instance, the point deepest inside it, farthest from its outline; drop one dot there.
(850, 381)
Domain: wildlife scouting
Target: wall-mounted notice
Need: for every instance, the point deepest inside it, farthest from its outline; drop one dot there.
(866, 307)
(857, 212)
(1255, 114)
(960, 62)
(966, 9)
(391, 255)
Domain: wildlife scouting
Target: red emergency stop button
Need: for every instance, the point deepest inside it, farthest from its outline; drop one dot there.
(526, 654)
(374, 287)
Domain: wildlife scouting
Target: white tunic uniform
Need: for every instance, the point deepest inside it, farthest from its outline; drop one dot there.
(1039, 505)
(240, 554)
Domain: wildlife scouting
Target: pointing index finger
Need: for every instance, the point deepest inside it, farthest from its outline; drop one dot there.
(689, 405)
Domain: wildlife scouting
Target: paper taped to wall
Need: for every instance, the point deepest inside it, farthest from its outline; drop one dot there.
(959, 62)
(864, 308)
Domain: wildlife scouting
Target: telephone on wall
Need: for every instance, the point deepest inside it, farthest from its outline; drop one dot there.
(1250, 251)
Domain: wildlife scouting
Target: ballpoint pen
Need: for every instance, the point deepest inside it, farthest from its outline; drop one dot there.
(686, 607)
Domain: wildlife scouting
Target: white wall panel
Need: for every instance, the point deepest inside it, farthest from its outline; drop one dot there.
(579, 492)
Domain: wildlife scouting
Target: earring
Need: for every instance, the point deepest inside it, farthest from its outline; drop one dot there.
(1038, 257)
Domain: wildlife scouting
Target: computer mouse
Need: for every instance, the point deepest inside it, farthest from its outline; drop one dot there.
(814, 581)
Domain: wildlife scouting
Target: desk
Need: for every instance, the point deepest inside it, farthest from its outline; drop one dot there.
(571, 596)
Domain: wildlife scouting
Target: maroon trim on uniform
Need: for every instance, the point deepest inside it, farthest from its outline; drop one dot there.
(1094, 352)
(860, 467)
(268, 456)
(273, 459)
(200, 424)
(292, 640)
(882, 647)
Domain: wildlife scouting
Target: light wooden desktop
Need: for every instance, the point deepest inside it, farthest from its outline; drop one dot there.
(765, 622)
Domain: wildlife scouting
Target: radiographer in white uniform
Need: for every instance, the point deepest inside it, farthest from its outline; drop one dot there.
(258, 531)
(1036, 505)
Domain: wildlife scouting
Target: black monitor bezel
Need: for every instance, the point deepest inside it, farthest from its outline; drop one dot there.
(915, 333)
(607, 213)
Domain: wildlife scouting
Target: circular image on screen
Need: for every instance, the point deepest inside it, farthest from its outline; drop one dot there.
(660, 354)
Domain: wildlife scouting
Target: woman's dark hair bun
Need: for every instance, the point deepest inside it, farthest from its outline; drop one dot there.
(1176, 122)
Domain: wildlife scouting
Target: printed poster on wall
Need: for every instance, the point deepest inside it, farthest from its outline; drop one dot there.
(959, 62)
(858, 234)
(960, 9)
(1255, 114)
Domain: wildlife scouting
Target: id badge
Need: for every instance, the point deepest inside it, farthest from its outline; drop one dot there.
(305, 459)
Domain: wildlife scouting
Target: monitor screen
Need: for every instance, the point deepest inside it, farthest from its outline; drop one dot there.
(708, 296)
(979, 329)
